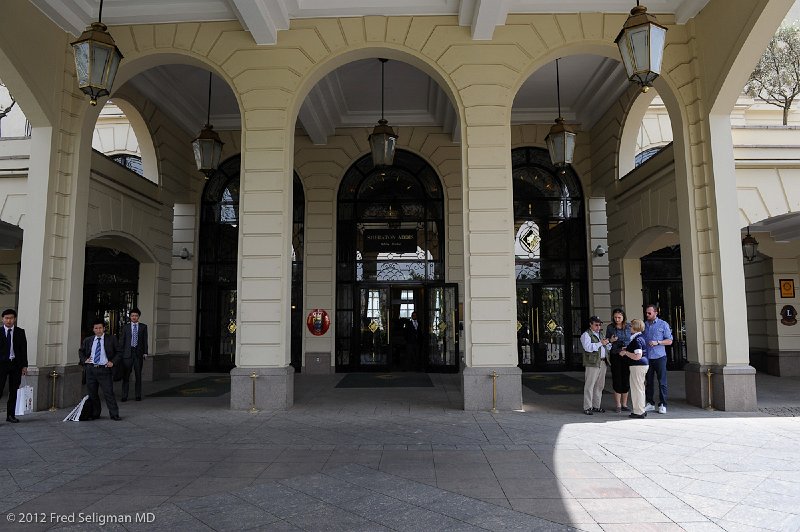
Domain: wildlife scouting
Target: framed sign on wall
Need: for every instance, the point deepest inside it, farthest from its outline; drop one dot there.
(787, 288)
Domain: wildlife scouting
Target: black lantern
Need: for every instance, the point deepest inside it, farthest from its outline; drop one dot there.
(383, 139)
(207, 145)
(749, 246)
(641, 45)
(561, 139)
(96, 60)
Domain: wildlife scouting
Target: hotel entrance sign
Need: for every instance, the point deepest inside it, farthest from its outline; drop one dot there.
(390, 240)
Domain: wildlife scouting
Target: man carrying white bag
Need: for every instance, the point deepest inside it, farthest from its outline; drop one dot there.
(13, 365)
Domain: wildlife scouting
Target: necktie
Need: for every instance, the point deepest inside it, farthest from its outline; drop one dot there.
(96, 358)
(8, 337)
(134, 335)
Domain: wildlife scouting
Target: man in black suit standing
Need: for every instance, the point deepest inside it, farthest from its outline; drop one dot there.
(98, 355)
(413, 344)
(13, 360)
(133, 342)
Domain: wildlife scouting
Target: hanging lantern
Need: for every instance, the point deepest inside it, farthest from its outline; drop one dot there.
(383, 139)
(561, 139)
(641, 44)
(97, 59)
(207, 146)
(749, 246)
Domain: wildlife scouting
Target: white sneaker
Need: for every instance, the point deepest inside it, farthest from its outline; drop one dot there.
(662, 409)
(649, 408)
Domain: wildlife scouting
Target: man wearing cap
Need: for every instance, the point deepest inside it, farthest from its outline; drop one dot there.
(595, 349)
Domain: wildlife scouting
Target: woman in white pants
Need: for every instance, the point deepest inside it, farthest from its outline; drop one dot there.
(636, 350)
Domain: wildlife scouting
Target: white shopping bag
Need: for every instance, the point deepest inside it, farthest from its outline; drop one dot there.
(24, 400)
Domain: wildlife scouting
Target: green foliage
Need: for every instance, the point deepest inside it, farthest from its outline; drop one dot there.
(776, 77)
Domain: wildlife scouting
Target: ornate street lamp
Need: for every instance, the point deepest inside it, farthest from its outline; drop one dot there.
(96, 60)
(749, 246)
(383, 139)
(207, 146)
(641, 45)
(561, 139)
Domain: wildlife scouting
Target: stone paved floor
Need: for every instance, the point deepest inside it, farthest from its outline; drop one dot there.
(407, 459)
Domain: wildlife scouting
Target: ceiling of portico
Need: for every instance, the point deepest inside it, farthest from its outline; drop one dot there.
(350, 95)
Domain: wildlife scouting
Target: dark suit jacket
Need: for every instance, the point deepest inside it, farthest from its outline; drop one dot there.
(20, 346)
(125, 340)
(109, 344)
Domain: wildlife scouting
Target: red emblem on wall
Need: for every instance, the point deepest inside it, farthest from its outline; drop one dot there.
(318, 322)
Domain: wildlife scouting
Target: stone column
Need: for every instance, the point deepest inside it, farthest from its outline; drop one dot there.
(719, 276)
(264, 280)
(490, 285)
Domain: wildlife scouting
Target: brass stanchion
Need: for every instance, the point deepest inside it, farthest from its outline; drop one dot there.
(494, 392)
(54, 375)
(710, 407)
(253, 408)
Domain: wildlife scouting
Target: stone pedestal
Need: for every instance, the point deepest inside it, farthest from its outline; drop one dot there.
(778, 363)
(477, 386)
(274, 388)
(155, 367)
(318, 364)
(733, 387)
(178, 362)
(69, 388)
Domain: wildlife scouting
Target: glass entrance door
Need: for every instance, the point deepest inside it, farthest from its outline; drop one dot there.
(544, 332)
(442, 330)
(375, 328)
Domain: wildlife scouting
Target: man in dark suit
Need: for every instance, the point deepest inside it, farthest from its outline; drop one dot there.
(98, 355)
(133, 342)
(413, 344)
(13, 360)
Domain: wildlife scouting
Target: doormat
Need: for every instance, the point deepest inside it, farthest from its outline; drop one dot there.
(385, 380)
(553, 384)
(205, 387)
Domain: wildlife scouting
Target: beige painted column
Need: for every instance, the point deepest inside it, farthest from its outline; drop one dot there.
(490, 285)
(264, 280)
(723, 309)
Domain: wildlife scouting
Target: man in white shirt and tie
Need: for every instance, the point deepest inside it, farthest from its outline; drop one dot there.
(133, 342)
(13, 360)
(98, 355)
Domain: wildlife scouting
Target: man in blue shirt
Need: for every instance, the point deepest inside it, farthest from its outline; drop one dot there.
(657, 334)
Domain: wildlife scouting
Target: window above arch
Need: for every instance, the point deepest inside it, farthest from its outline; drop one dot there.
(122, 135)
(13, 123)
(647, 130)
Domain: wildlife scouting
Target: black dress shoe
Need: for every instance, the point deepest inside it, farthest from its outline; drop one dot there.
(12, 419)
(124, 399)
(138, 398)
(116, 418)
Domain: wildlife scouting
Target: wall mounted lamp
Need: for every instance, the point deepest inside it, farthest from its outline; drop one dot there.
(749, 246)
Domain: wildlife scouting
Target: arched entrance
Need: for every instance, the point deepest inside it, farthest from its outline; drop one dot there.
(298, 250)
(550, 262)
(216, 280)
(662, 285)
(217, 262)
(110, 288)
(390, 269)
